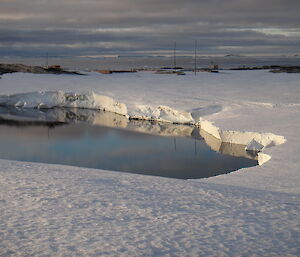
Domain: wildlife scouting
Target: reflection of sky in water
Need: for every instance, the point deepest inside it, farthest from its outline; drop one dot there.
(115, 149)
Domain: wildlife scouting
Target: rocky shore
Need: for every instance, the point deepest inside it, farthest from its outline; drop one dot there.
(54, 69)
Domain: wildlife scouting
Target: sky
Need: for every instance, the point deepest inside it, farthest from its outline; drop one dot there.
(148, 27)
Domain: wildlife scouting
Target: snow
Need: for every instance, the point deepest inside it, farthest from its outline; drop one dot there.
(51, 210)
(50, 99)
(162, 113)
(90, 100)
(57, 210)
(253, 141)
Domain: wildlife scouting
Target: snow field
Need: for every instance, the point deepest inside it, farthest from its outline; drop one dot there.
(52, 210)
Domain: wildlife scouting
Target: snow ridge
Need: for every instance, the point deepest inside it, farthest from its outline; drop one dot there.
(50, 99)
(162, 113)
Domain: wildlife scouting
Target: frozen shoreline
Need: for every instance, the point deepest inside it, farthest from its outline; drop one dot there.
(253, 141)
(235, 101)
(62, 210)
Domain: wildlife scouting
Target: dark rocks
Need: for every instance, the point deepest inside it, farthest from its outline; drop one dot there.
(273, 68)
(55, 69)
(170, 72)
(287, 69)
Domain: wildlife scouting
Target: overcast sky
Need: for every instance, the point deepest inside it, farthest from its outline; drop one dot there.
(104, 27)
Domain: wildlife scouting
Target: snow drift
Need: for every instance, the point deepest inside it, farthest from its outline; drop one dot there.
(50, 99)
(162, 113)
(91, 100)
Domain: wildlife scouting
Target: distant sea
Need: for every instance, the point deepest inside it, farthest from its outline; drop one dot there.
(88, 63)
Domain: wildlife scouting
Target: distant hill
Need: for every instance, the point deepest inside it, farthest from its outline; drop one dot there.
(233, 55)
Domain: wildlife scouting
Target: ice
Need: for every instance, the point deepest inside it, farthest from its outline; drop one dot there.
(50, 99)
(67, 211)
(253, 141)
(162, 113)
(90, 100)
(257, 104)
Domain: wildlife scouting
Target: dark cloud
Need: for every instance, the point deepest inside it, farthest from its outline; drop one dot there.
(81, 27)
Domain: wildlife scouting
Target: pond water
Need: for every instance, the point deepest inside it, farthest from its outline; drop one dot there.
(101, 140)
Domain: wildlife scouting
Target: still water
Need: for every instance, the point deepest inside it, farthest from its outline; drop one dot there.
(100, 140)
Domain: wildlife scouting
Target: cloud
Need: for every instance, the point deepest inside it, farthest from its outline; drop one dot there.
(86, 26)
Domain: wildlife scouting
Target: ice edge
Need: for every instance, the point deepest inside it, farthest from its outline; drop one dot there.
(253, 141)
(51, 99)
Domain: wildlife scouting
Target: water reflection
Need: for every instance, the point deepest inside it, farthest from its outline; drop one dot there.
(59, 116)
(98, 139)
(226, 148)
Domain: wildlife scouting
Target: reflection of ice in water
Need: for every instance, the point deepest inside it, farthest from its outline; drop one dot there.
(95, 117)
(84, 145)
(69, 115)
(227, 148)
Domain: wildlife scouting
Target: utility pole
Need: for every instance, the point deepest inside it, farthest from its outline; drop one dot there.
(174, 54)
(195, 63)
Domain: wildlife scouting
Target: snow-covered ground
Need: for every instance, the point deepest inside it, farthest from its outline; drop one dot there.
(51, 210)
